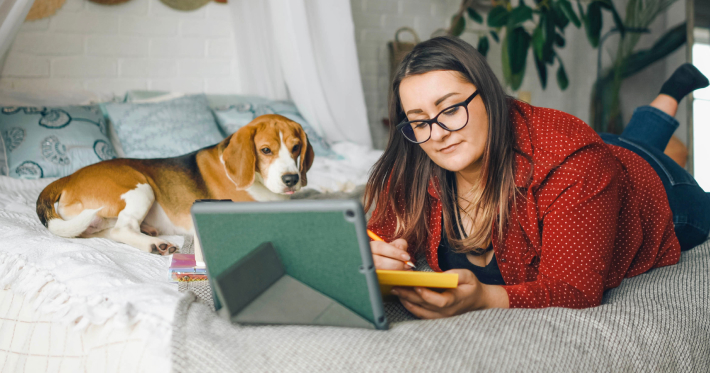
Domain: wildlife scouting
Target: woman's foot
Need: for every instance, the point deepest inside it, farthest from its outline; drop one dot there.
(684, 80)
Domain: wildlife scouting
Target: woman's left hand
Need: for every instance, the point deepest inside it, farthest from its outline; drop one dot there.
(470, 295)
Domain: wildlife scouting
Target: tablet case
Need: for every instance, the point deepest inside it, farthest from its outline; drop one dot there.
(267, 295)
(284, 252)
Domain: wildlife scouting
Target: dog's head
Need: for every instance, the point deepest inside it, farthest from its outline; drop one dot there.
(272, 150)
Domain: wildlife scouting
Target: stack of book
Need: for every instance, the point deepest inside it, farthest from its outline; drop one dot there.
(183, 268)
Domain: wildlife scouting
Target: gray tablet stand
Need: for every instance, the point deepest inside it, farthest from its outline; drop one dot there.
(257, 290)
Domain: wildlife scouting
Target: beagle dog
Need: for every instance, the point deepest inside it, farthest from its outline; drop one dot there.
(134, 200)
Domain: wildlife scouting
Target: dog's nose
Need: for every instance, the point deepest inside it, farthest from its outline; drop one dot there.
(290, 179)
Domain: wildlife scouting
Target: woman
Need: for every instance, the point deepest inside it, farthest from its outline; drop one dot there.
(530, 199)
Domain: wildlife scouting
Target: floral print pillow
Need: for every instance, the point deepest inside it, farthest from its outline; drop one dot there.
(52, 141)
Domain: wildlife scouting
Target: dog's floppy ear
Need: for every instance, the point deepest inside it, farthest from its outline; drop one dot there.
(239, 157)
(306, 157)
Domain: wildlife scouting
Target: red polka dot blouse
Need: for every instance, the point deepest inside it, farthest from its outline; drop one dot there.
(592, 214)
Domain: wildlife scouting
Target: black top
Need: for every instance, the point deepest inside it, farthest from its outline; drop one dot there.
(449, 259)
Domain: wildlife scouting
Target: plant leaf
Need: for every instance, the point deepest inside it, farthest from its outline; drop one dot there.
(518, 46)
(457, 29)
(498, 16)
(538, 41)
(665, 45)
(473, 14)
(483, 45)
(494, 35)
(541, 72)
(593, 23)
(562, 80)
(607, 4)
(517, 80)
(581, 9)
(566, 8)
(519, 15)
(559, 40)
(559, 16)
(549, 32)
(505, 62)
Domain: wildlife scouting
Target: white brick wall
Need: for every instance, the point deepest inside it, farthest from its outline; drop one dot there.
(27, 66)
(377, 20)
(143, 44)
(84, 67)
(140, 44)
(375, 24)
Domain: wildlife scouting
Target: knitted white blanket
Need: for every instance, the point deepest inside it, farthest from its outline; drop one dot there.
(81, 281)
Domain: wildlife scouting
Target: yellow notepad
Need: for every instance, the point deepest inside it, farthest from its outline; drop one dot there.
(388, 279)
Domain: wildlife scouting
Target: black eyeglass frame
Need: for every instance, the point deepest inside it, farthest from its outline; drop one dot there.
(430, 122)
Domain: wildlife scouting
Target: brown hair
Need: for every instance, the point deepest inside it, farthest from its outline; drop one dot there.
(400, 178)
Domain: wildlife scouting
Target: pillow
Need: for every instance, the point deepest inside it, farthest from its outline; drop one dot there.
(163, 129)
(112, 136)
(3, 158)
(243, 109)
(142, 97)
(52, 142)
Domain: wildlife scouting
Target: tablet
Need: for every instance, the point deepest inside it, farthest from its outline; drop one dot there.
(268, 262)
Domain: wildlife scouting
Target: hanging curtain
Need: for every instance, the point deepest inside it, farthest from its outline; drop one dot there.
(12, 14)
(258, 61)
(308, 47)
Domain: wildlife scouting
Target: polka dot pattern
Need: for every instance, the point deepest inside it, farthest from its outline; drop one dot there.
(590, 215)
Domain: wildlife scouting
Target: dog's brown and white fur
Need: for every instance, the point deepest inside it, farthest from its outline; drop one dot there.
(134, 200)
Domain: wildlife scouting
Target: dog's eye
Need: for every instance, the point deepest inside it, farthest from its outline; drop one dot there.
(266, 151)
(296, 148)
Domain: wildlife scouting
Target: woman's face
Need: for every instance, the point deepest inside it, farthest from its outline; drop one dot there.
(424, 96)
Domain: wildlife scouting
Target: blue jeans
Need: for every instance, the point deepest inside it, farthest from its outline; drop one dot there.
(647, 135)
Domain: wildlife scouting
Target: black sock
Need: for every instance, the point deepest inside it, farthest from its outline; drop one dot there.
(684, 80)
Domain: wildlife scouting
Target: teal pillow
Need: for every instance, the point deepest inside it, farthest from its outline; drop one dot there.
(53, 141)
(137, 95)
(243, 109)
(163, 129)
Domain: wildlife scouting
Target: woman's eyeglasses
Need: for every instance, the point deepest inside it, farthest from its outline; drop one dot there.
(453, 118)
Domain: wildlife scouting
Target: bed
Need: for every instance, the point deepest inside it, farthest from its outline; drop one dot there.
(96, 305)
(655, 322)
(67, 304)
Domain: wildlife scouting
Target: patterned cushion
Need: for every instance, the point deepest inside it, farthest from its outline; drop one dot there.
(163, 129)
(3, 157)
(53, 142)
(243, 109)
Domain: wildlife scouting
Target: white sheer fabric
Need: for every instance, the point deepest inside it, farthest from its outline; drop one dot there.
(258, 60)
(12, 14)
(307, 46)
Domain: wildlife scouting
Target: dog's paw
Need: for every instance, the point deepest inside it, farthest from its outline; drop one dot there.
(165, 248)
(147, 229)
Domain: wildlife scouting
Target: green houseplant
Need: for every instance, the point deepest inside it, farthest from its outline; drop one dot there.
(605, 107)
(540, 26)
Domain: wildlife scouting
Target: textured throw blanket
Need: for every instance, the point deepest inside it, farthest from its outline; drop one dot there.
(658, 321)
(82, 281)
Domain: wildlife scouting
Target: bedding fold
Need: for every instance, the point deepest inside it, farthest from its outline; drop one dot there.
(82, 282)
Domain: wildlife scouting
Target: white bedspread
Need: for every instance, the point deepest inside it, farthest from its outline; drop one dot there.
(81, 281)
(342, 175)
(89, 282)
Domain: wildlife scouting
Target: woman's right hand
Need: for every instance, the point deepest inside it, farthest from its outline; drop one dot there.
(391, 255)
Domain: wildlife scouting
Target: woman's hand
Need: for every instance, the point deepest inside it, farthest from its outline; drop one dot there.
(391, 255)
(470, 295)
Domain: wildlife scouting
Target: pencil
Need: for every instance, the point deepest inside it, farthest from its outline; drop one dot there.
(375, 237)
